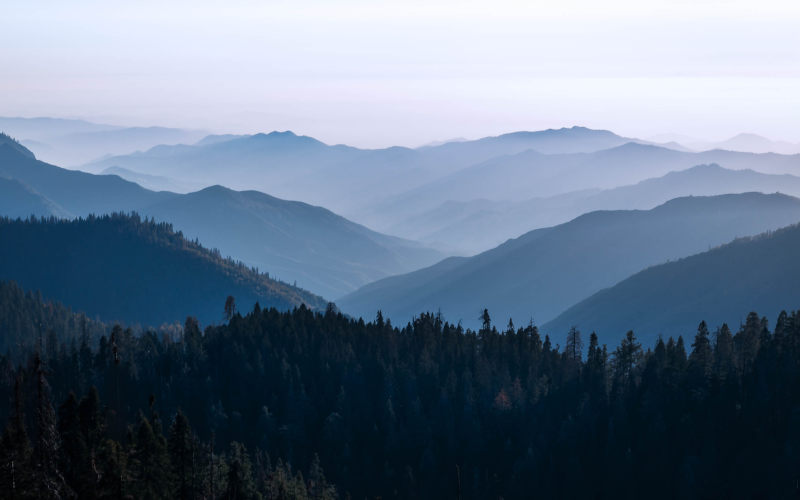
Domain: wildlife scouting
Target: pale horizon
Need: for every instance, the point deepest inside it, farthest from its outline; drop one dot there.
(407, 74)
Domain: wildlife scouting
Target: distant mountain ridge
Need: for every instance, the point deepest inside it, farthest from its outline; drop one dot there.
(343, 178)
(541, 273)
(73, 142)
(531, 174)
(476, 225)
(758, 273)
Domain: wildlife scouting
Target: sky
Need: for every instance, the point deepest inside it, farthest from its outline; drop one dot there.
(377, 73)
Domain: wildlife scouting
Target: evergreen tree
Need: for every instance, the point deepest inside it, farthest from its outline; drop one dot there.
(149, 462)
(15, 451)
(626, 357)
(48, 481)
(240, 475)
(701, 361)
(181, 453)
(723, 352)
(318, 486)
(74, 453)
(574, 345)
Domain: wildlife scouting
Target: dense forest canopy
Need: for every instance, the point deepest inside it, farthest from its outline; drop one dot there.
(428, 410)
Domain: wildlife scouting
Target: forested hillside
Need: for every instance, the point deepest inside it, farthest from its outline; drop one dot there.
(25, 316)
(124, 268)
(244, 409)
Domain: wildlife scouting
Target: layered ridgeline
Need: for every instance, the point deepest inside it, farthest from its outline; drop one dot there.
(72, 142)
(123, 268)
(532, 174)
(294, 241)
(477, 225)
(77, 193)
(540, 274)
(343, 178)
(750, 274)
(394, 190)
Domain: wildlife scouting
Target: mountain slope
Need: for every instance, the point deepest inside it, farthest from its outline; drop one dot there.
(18, 200)
(477, 225)
(749, 274)
(545, 271)
(292, 240)
(25, 314)
(77, 192)
(121, 268)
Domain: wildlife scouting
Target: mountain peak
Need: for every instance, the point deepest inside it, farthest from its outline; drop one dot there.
(283, 137)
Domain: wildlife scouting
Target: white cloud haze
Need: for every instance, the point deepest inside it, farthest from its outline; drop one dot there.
(380, 73)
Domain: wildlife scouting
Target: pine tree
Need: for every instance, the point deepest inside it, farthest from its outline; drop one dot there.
(486, 321)
(230, 307)
(626, 357)
(150, 462)
(723, 352)
(701, 361)
(15, 451)
(574, 345)
(48, 481)
(595, 373)
(73, 446)
(112, 463)
(181, 447)
(92, 428)
(240, 475)
(318, 486)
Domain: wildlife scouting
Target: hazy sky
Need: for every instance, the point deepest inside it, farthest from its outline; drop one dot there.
(408, 72)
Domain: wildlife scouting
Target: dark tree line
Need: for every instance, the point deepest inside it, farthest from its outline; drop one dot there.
(262, 405)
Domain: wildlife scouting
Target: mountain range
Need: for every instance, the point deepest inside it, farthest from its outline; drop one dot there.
(545, 271)
(473, 226)
(744, 142)
(342, 178)
(530, 174)
(73, 142)
(298, 242)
